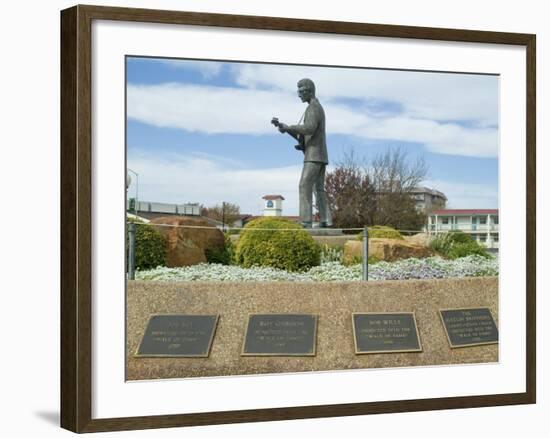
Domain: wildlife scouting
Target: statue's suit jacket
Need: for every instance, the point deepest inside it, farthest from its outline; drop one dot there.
(313, 130)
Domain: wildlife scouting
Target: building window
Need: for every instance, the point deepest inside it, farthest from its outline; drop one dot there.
(483, 238)
(495, 220)
(482, 220)
(269, 204)
(495, 238)
(445, 221)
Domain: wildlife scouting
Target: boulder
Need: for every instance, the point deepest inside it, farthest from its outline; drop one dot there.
(353, 251)
(388, 250)
(187, 246)
(419, 239)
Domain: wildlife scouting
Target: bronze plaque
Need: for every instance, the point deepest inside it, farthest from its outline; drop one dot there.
(469, 327)
(175, 335)
(385, 333)
(280, 334)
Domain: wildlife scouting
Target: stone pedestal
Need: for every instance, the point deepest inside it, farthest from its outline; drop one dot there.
(333, 303)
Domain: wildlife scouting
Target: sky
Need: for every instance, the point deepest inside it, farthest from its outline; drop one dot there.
(200, 131)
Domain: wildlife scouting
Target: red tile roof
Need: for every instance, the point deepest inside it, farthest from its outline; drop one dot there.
(273, 197)
(465, 212)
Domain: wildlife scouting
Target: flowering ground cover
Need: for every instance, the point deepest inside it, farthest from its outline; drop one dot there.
(428, 268)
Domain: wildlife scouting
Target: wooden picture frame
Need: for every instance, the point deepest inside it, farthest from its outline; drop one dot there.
(76, 217)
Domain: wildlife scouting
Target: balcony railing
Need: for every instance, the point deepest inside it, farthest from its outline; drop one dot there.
(464, 227)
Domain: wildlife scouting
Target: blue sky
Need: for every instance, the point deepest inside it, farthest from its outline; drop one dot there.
(199, 131)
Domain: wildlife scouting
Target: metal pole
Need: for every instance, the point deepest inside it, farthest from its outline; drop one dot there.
(136, 206)
(223, 217)
(365, 254)
(131, 251)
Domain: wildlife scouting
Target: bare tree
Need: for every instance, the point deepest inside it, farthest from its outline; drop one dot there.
(392, 172)
(225, 212)
(377, 194)
(394, 177)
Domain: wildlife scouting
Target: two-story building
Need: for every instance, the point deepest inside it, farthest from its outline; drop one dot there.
(481, 224)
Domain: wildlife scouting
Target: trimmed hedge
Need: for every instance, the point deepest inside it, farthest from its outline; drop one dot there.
(289, 250)
(150, 246)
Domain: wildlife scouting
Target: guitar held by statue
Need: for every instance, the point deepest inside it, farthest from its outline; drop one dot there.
(299, 138)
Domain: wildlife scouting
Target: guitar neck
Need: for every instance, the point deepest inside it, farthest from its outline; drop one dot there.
(294, 136)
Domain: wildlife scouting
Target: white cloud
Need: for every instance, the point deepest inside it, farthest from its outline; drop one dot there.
(211, 110)
(437, 96)
(466, 195)
(439, 138)
(215, 110)
(208, 180)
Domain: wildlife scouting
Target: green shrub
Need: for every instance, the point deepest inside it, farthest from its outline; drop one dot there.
(150, 247)
(440, 244)
(457, 244)
(382, 232)
(288, 250)
(331, 253)
(466, 249)
(458, 236)
(223, 256)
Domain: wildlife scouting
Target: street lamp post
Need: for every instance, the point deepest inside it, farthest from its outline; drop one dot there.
(223, 217)
(137, 189)
(132, 228)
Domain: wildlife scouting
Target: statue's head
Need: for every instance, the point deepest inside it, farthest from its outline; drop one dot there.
(306, 89)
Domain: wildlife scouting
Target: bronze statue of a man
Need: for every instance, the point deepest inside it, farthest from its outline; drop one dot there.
(312, 137)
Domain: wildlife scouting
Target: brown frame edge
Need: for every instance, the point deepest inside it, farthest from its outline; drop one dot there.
(76, 239)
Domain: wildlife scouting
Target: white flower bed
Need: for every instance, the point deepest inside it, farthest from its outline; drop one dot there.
(429, 268)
